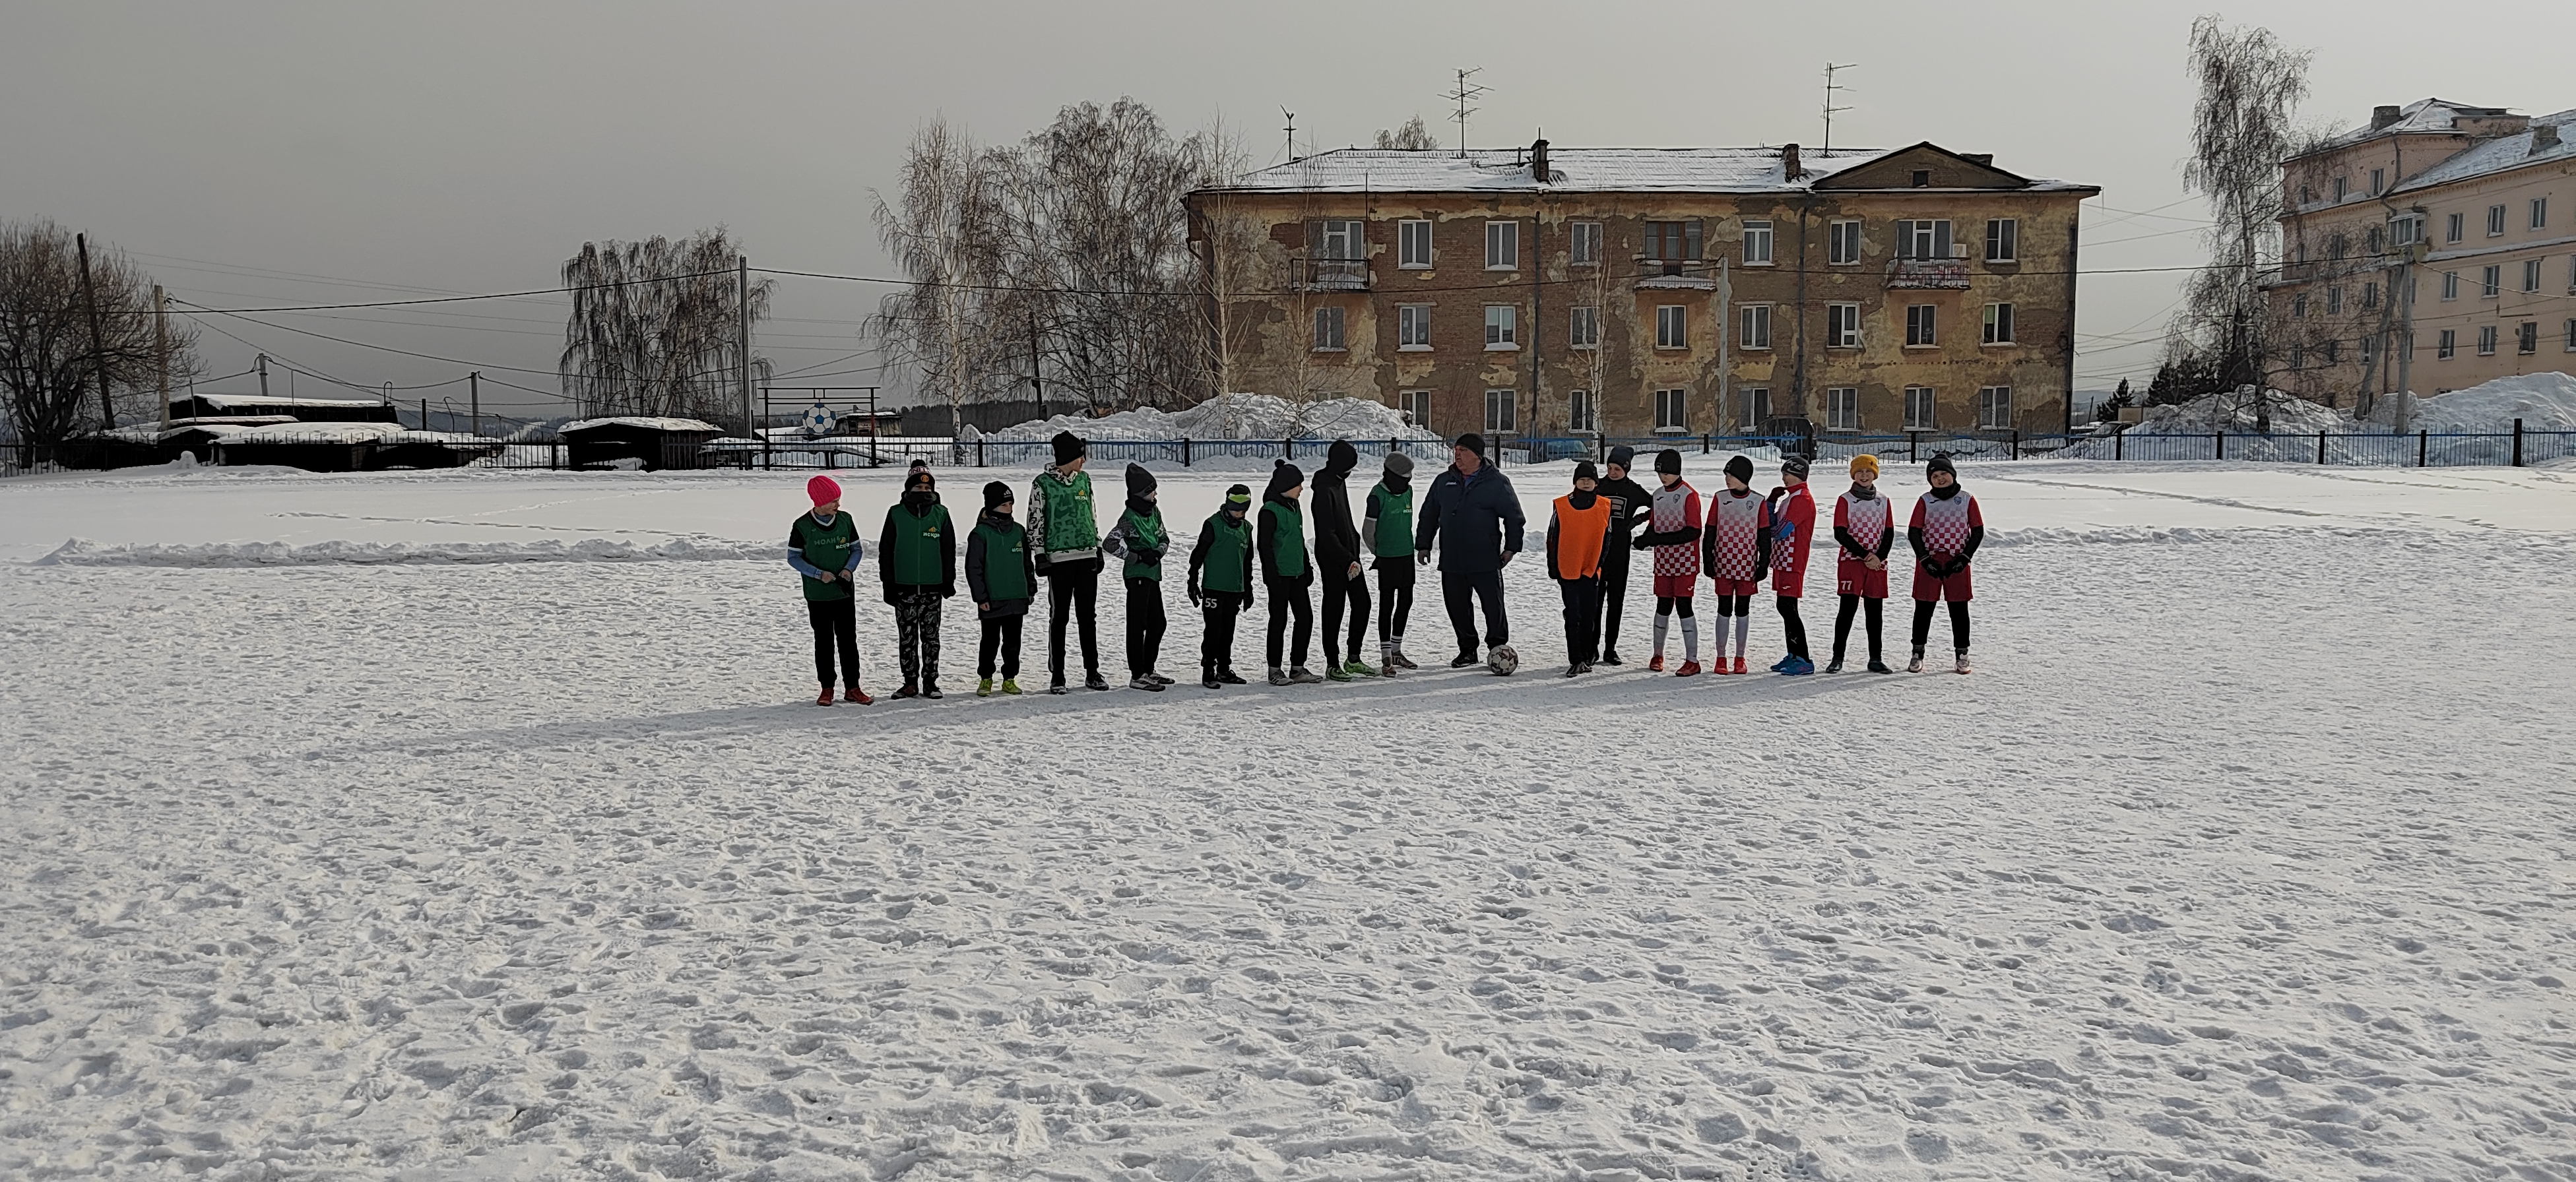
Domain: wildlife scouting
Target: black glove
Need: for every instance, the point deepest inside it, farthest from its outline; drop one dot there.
(1643, 542)
(1196, 600)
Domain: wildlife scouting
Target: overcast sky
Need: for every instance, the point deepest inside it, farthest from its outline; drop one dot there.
(264, 153)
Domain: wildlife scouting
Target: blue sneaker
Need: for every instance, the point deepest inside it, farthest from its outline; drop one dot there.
(1797, 667)
(1782, 665)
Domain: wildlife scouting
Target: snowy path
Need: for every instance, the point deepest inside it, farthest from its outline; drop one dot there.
(2247, 854)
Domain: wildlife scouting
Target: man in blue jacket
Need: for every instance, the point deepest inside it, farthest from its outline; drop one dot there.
(1473, 513)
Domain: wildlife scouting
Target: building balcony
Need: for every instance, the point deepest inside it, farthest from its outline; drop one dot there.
(1674, 275)
(1928, 275)
(1331, 274)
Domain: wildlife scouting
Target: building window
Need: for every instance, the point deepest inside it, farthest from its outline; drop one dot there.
(2539, 213)
(1672, 410)
(2486, 340)
(1918, 408)
(1413, 244)
(2336, 247)
(2003, 240)
(1757, 326)
(1757, 242)
(2571, 336)
(2369, 352)
(1502, 246)
(1757, 406)
(2342, 187)
(2378, 181)
(2299, 306)
(1583, 246)
(2526, 337)
(1923, 239)
(2334, 301)
(1995, 408)
(2369, 296)
(2495, 221)
(1922, 178)
(1672, 242)
(1502, 411)
(1412, 327)
(1580, 413)
(1672, 326)
(1842, 244)
(2491, 281)
(2452, 228)
(2447, 344)
(1842, 408)
(1328, 330)
(1842, 326)
(1416, 405)
(2333, 351)
(2298, 355)
(1339, 241)
(1999, 324)
(2407, 230)
(2531, 274)
(2377, 241)
(1502, 326)
(2450, 285)
(1922, 325)
(1587, 328)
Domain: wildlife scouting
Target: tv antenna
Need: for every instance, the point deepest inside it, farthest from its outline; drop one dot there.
(1466, 92)
(1830, 108)
(1292, 133)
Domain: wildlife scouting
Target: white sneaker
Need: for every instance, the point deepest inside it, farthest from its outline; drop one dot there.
(1145, 683)
(1963, 662)
(1915, 665)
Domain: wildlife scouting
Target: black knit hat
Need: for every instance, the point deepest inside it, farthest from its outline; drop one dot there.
(1624, 456)
(1794, 466)
(996, 495)
(1069, 447)
(1283, 476)
(1473, 442)
(919, 478)
(1668, 462)
(1139, 480)
(1585, 471)
(1740, 468)
(1940, 464)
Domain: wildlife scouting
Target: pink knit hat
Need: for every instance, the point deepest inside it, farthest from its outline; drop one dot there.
(823, 489)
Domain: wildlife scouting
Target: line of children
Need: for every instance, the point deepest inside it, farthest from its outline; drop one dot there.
(1578, 533)
(1865, 530)
(1220, 583)
(1673, 532)
(1946, 531)
(1735, 553)
(1386, 528)
(1138, 538)
(1792, 509)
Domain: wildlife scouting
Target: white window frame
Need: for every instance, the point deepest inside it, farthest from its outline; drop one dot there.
(1842, 326)
(1672, 410)
(1332, 329)
(1988, 399)
(1583, 244)
(2571, 335)
(1925, 238)
(1584, 331)
(1413, 328)
(1416, 405)
(1341, 240)
(2003, 233)
(2526, 338)
(1842, 408)
(2446, 345)
(2369, 295)
(1582, 412)
(2369, 351)
(2334, 301)
(1502, 245)
(1922, 409)
(2495, 221)
(1413, 249)
(1672, 326)
(2450, 285)
(1758, 241)
(2486, 340)
(2406, 229)
(1502, 328)
(1923, 326)
(2540, 213)
(1755, 322)
(2299, 306)
(2455, 226)
(1502, 411)
(1999, 324)
(2491, 281)
(1757, 407)
(1843, 243)
(2342, 187)
(2378, 181)
(2531, 274)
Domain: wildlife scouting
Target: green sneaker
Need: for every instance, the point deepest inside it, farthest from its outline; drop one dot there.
(1359, 668)
(984, 687)
(1338, 672)
(1010, 685)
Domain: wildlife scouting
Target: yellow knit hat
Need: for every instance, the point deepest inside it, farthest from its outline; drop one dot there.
(1864, 467)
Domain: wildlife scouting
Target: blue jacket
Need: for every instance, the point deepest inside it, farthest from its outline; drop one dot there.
(1476, 520)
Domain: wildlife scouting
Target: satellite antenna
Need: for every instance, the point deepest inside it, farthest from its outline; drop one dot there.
(1292, 133)
(1830, 108)
(1465, 92)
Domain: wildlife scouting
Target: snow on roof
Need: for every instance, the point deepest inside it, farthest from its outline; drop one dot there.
(226, 400)
(2499, 154)
(1601, 170)
(645, 422)
(2420, 116)
(319, 433)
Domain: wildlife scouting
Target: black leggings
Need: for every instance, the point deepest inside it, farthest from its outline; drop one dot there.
(1792, 629)
(1666, 605)
(1002, 636)
(1394, 599)
(1288, 598)
(1073, 588)
(1843, 623)
(1735, 605)
(1144, 625)
(835, 621)
(1339, 594)
(1958, 623)
(1614, 588)
(1216, 645)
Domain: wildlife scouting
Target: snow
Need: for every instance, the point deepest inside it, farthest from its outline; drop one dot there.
(2543, 401)
(2243, 856)
(1636, 170)
(1231, 416)
(645, 422)
(301, 432)
(220, 401)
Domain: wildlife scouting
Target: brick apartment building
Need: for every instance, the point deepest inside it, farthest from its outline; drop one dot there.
(2435, 247)
(1641, 291)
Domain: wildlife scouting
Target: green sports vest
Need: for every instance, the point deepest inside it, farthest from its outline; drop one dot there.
(1228, 546)
(914, 559)
(1146, 532)
(1394, 513)
(1291, 524)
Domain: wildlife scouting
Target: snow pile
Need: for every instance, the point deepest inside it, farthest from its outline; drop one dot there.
(1230, 416)
(2291, 415)
(2543, 401)
(83, 552)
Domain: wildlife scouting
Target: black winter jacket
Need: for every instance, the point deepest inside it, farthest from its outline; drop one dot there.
(1476, 521)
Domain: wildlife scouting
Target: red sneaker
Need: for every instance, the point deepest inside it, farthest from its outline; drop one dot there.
(824, 698)
(1739, 665)
(1688, 669)
(860, 696)
(1656, 665)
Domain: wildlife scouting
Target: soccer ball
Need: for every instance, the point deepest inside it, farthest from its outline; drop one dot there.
(1502, 660)
(820, 420)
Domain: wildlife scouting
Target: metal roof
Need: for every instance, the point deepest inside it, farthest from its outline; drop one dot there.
(1578, 170)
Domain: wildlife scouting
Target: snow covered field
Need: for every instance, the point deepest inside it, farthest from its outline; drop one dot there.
(343, 849)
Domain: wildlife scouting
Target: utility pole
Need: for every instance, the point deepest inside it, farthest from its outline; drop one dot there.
(474, 401)
(2397, 408)
(97, 339)
(1830, 108)
(1465, 92)
(1725, 323)
(161, 350)
(1292, 133)
(263, 377)
(742, 327)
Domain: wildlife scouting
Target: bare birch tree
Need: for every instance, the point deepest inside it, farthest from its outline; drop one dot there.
(2249, 85)
(1229, 270)
(1412, 137)
(655, 327)
(50, 368)
(950, 229)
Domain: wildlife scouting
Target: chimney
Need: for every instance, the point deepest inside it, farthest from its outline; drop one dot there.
(2381, 117)
(1789, 168)
(2544, 138)
(1538, 160)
